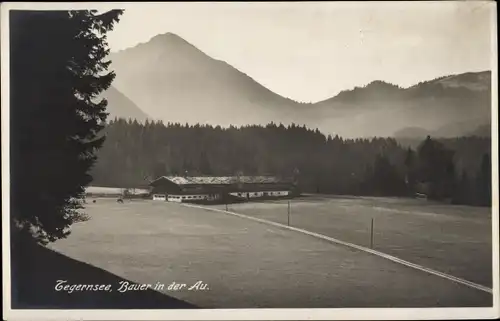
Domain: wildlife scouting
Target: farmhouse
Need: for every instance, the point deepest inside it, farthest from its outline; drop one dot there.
(226, 188)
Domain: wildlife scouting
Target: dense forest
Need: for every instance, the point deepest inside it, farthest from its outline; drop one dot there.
(457, 170)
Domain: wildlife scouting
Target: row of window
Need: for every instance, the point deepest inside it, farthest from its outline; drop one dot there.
(193, 197)
(263, 194)
(212, 196)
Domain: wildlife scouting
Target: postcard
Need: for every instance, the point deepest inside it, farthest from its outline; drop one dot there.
(250, 160)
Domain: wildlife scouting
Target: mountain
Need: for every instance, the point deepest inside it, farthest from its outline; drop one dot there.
(375, 90)
(122, 107)
(478, 81)
(172, 80)
(447, 106)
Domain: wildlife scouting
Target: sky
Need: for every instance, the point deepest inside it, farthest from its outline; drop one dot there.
(310, 51)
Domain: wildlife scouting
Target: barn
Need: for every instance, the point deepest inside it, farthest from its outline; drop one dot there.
(225, 188)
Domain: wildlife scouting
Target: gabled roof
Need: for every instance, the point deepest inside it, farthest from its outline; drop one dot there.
(220, 180)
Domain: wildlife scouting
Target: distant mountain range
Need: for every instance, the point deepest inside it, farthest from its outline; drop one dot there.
(168, 78)
(445, 107)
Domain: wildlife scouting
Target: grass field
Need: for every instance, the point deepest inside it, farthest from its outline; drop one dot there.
(451, 239)
(248, 264)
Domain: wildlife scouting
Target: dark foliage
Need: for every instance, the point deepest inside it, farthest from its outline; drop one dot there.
(135, 153)
(384, 179)
(483, 182)
(436, 168)
(57, 68)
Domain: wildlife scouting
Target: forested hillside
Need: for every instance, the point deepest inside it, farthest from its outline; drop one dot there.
(135, 153)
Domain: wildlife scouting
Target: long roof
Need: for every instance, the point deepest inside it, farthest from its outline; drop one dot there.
(220, 180)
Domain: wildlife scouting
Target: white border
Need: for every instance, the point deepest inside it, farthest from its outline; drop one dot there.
(231, 314)
(494, 159)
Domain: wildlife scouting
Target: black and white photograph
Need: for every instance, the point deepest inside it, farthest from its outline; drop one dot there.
(250, 160)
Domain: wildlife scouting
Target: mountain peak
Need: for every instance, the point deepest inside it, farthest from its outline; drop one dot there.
(381, 83)
(167, 35)
(377, 89)
(161, 40)
(169, 38)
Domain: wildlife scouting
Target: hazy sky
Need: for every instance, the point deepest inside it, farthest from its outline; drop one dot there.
(311, 51)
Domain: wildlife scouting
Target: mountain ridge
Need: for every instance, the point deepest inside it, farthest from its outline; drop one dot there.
(172, 80)
(120, 106)
(368, 84)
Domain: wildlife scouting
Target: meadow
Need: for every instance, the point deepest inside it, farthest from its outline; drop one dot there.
(453, 239)
(247, 264)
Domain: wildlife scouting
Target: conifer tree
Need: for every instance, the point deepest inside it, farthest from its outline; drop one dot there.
(58, 67)
(410, 162)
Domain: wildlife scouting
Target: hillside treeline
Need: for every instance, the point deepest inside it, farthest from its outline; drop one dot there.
(135, 153)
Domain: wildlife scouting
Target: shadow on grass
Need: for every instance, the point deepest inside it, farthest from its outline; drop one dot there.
(36, 269)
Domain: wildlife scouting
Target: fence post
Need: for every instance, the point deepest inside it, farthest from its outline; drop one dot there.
(288, 213)
(371, 235)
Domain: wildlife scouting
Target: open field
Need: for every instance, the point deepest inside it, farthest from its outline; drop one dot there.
(247, 264)
(452, 239)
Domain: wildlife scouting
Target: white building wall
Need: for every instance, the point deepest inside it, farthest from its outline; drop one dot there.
(261, 194)
(159, 197)
(198, 197)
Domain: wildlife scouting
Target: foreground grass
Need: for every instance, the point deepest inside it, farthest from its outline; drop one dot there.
(247, 264)
(36, 269)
